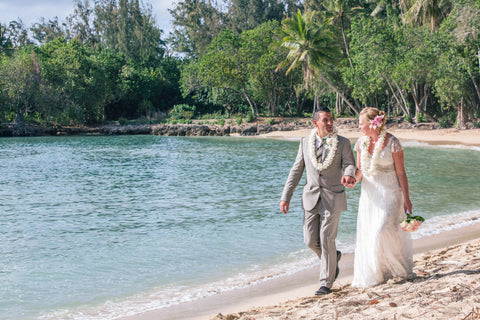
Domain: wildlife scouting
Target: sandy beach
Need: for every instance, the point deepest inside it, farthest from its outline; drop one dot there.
(447, 265)
(433, 137)
(447, 287)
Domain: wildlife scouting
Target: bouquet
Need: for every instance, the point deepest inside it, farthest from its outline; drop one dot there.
(411, 223)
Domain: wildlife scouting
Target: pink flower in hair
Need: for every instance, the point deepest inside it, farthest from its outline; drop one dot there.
(377, 122)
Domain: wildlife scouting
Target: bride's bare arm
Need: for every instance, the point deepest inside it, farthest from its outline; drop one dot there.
(399, 161)
(358, 173)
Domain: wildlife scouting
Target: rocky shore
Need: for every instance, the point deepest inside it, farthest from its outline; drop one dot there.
(194, 129)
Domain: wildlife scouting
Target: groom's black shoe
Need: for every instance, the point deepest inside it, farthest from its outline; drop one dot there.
(337, 271)
(323, 291)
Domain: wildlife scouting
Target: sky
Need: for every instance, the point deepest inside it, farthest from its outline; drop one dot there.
(30, 11)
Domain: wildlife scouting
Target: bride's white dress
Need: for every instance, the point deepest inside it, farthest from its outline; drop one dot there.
(383, 250)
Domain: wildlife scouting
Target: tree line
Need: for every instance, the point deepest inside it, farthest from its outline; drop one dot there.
(108, 60)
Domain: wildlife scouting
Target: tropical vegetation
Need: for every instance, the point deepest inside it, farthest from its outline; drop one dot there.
(108, 61)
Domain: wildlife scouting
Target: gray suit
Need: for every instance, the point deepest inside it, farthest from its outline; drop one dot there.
(323, 200)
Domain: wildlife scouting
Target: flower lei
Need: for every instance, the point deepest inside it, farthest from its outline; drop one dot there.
(369, 164)
(331, 141)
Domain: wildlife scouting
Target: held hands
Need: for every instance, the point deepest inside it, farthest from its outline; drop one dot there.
(284, 205)
(349, 181)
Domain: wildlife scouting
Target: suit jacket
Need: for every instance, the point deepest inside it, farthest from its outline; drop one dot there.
(326, 184)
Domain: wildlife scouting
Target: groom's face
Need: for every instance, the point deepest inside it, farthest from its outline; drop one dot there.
(324, 124)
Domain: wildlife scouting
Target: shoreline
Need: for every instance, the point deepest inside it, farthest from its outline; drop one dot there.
(279, 292)
(469, 137)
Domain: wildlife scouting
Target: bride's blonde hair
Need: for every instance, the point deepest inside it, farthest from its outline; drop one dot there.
(371, 113)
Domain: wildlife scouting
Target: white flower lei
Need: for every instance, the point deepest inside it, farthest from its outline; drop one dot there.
(369, 164)
(331, 141)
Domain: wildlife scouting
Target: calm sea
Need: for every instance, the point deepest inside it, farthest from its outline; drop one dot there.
(101, 227)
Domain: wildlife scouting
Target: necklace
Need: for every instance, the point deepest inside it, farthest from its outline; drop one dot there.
(369, 163)
(331, 141)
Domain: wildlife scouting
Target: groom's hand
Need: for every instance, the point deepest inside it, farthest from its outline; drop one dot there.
(348, 181)
(284, 205)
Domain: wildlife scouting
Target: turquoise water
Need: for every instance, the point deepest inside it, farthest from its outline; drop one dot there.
(102, 227)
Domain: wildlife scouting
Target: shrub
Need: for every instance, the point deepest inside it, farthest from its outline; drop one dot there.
(421, 117)
(221, 122)
(250, 117)
(444, 122)
(215, 115)
(271, 121)
(122, 120)
(182, 111)
(239, 120)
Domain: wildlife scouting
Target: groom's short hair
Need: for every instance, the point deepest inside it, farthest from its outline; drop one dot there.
(316, 112)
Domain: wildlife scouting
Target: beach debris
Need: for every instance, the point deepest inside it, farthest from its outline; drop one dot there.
(473, 315)
(374, 301)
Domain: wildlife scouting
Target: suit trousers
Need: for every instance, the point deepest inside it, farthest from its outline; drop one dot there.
(319, 232)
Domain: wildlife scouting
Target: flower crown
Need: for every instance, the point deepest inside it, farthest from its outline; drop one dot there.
(377, 122)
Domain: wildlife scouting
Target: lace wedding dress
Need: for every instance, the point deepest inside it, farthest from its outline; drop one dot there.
(383, 250)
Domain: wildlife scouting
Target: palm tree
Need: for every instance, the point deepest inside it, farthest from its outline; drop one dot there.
(428, 11)
(339, 11)
(312, 47)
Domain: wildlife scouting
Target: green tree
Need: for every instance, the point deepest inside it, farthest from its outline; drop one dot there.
(415, 66)
(128, 28)
(6, 45)
(311, 46)
(86, 80)
(223, 66)
(24, 91)
(269, 87)
(465, 23)
(196, 23)
(373, 53)
(45, 31)
(340, 11)
(17, 34)
(81, 24)
(452, 84)
(249, 14)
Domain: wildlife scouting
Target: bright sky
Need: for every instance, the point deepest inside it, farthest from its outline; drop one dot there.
(30, 11)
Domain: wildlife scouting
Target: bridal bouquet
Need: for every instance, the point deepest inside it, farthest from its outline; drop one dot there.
(411, 223)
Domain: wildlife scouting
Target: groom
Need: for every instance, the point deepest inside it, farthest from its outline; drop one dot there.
(329, 162)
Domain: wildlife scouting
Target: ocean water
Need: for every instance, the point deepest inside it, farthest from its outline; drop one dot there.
(102, 227)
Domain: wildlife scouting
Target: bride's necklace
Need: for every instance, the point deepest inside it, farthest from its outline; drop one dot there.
(369, 164)
(331, 141)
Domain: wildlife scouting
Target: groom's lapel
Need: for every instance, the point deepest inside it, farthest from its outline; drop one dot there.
(326, 151)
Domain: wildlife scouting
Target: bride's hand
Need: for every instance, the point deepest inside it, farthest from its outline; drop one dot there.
(407, 205)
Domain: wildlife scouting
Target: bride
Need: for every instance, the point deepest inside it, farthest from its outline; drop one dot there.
(383, 250)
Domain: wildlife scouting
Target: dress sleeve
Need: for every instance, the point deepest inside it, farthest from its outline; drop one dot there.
(356, 148)
(395, 145)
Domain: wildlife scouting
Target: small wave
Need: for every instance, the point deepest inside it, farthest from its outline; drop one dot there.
(444, 223)
(415, 143)
(166, 297)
